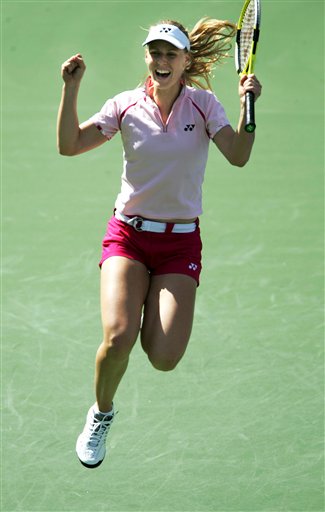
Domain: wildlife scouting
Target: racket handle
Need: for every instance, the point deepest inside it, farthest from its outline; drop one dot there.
(250, 112)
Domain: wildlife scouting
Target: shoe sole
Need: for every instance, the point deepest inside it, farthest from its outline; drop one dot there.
(91, 466)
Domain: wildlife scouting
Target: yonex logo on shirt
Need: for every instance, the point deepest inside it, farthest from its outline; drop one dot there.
(189, 127)
(192, 266)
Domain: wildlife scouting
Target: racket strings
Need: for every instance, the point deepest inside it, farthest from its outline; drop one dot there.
(246, 34)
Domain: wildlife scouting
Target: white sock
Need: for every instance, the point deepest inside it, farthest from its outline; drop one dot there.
(97, 411)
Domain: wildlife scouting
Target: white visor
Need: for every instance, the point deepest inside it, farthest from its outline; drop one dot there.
(169, 33)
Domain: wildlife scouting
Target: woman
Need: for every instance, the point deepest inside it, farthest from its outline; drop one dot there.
(151, 258)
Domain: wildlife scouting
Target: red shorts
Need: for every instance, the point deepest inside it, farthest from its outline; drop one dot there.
(161, 253)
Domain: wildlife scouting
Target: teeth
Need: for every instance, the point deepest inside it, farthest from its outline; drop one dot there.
(162, 72)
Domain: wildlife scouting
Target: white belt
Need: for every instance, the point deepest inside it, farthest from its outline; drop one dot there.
(140, 224)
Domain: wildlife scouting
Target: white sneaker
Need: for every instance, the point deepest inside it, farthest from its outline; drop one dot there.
(91, 444)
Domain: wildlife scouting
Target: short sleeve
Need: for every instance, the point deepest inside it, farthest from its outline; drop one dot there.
(107, 119)
(216, 116)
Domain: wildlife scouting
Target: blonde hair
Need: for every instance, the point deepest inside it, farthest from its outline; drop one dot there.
(210, 41)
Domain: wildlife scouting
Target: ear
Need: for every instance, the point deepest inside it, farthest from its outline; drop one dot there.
(146, 55)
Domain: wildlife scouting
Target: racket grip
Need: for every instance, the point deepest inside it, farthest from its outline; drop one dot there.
(250, 112)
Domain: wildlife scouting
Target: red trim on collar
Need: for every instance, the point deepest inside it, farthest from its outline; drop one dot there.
(149, 86)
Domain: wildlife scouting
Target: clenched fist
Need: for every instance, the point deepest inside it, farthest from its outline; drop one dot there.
(72, 70)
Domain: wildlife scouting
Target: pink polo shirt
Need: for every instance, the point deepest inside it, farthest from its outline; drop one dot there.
(163, 163)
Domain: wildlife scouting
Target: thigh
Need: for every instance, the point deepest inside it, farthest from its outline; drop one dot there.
(168, 316)
(124, 287)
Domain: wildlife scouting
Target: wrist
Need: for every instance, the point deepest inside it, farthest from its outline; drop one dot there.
(71, 87)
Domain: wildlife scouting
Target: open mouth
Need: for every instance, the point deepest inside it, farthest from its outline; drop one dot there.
(160, 73)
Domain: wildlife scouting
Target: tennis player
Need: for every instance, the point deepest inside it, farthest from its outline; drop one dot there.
(151, 259)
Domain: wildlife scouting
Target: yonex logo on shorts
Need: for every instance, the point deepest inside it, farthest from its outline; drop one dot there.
(189, 127)
(192, 266)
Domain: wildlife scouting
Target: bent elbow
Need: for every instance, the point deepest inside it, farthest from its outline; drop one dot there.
(242, 163)
(239, 162)
(65, 151)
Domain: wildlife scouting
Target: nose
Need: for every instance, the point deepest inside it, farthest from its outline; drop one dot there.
(162, 59)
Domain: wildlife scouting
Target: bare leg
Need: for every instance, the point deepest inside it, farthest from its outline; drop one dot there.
(168, 319)
(124, 286)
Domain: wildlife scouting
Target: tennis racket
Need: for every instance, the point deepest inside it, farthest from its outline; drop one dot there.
(248, 31)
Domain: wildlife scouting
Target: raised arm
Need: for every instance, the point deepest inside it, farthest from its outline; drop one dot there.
(237, 145)
(72, 138)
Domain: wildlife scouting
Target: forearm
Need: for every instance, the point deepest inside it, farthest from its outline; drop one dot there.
(242, 142)
(68, 123)
(237, 145)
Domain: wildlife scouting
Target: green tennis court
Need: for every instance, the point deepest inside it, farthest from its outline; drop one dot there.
(238, 426)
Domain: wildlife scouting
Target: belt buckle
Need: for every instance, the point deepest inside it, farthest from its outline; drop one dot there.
(137, 223)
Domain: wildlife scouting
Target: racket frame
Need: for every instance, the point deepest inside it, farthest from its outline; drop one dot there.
(247, 68)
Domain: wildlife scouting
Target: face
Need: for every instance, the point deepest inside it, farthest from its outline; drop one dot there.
(166, 64)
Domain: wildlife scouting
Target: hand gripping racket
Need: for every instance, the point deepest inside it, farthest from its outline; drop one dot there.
(248, 30)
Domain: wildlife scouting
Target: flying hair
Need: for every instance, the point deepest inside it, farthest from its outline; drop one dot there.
(210, 44)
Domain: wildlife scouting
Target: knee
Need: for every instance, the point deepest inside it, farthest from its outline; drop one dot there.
(163, 363)
(117, 345)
